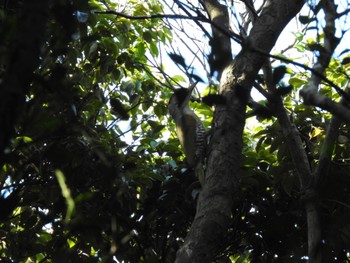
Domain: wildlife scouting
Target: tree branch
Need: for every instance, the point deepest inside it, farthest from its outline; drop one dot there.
(312, 97)
(338, 109)
(161, 16)
(330, 43)
(218, 195)
(221, 53)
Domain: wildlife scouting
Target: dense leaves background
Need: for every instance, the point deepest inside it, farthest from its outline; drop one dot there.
(74, 188)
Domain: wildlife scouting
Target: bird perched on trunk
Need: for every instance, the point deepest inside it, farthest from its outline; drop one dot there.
(190, 130)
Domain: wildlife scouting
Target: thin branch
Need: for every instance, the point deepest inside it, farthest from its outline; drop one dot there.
(345, 12)
(236, 38)
(135, 126)
(339, 202)
(330, 43)
(325, 103)
(169, 16)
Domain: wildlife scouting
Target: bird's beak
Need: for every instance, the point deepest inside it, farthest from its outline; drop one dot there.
(190, 90)
(189, 93)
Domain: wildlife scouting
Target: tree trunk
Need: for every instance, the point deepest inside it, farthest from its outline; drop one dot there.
(217, 198)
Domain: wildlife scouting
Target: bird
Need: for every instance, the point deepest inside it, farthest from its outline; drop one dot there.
(189, 129)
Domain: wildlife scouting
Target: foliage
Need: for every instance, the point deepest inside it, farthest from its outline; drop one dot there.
(122, 195)
(94, 172)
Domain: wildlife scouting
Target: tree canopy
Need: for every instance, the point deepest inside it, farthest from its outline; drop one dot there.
(92, 170)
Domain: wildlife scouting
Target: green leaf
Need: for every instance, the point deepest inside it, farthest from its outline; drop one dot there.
(178, 78)
(154, 49)
(140, 50)
(66, 193)
(160, 111)
(147, 36)
(300, 47)
(297, 82)
(172, 163)
(154, 144)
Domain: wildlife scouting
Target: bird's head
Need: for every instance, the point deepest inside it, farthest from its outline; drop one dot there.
(181, 97)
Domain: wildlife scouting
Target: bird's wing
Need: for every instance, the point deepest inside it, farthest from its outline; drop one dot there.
(187, 136)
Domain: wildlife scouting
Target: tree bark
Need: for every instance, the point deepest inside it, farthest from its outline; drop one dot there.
(220, 42)
(217, 197)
